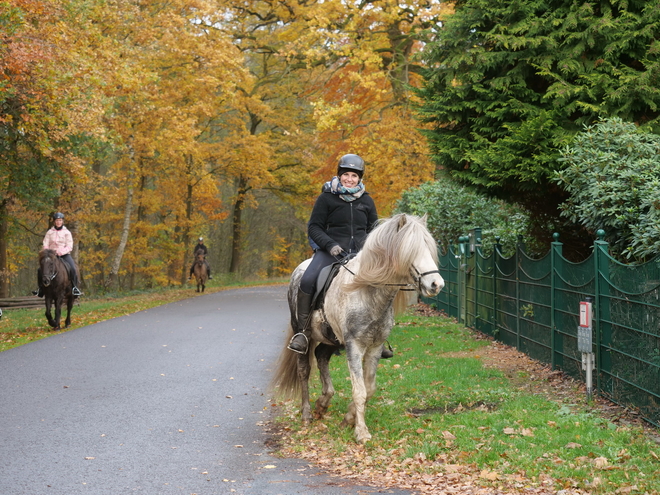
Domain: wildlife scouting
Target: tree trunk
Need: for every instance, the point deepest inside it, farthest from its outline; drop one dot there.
(186, 234)
(237, 232)
(128, 210)
(4, 274)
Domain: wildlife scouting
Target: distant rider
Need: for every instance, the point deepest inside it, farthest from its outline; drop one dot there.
(59, 239)
(198, 246)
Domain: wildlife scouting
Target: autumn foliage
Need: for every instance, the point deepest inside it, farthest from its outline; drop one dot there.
(151, 123)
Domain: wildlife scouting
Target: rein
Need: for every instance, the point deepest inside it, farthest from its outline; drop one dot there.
(417, 286)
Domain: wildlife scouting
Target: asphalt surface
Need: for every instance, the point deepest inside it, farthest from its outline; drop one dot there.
(171, 400)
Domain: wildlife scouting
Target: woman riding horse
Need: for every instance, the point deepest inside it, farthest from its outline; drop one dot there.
(342, 217)
(198, 246)
(59, 239)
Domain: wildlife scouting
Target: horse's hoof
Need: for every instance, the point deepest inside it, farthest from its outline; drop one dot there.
(364, 440)
(363, 436)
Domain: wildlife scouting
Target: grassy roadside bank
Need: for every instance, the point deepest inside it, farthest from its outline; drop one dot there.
(21, 326)
(442, 422)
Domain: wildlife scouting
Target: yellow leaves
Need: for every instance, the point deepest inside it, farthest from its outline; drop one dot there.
(328, 116)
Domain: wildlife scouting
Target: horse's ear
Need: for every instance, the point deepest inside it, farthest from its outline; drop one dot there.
(424, 219)
(402, 222)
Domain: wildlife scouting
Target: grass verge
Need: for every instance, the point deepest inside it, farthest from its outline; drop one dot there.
(21, 326)
(440, 419)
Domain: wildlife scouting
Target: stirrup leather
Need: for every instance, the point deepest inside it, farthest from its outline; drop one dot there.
(296, 350)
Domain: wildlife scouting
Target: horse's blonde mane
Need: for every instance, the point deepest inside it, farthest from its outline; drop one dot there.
(390, 249)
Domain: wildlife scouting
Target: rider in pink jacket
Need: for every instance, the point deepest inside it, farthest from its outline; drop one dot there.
(59, 239)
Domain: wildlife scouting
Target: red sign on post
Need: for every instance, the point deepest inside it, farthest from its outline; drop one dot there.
(585, 314)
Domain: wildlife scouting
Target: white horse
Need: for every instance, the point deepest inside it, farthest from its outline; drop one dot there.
(359, 309)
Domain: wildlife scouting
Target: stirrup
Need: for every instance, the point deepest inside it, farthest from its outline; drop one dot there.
(298, 350)
(38, 292)
(76, 292)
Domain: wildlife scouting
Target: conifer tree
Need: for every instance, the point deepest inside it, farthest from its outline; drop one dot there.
(510, 83)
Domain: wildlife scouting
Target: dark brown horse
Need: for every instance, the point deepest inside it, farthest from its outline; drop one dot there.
(201, 274)
(56, 285)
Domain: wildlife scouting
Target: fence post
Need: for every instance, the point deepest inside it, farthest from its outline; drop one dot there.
(462, 278)
(497, 248)
(601, 314)
(519, 248)
(475, 242)
(554, 343)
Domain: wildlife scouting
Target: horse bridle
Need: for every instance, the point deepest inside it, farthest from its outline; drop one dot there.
(54, 273)
(420, 276)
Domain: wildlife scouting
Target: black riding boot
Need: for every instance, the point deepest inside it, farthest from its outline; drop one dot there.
(75, 290)
(386, 352)
(40, 291)
(208, 271)
(300, 340)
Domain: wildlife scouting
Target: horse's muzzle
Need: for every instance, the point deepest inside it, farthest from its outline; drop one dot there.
(432, 287)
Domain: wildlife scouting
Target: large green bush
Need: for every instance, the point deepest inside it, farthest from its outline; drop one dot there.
(453, 210)
(613, 177)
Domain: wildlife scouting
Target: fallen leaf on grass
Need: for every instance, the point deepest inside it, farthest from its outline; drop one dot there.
(489, 475)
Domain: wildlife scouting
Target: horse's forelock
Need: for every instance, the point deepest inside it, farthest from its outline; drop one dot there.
(46, 253)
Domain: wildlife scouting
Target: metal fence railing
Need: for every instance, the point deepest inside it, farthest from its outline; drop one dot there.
(534, 304)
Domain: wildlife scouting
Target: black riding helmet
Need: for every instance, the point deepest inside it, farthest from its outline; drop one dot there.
(350, 163)
(58, 215)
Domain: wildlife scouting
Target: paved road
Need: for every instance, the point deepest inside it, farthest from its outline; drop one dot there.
(171, 400)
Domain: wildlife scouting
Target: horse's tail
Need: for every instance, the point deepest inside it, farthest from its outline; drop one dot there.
(285, 382)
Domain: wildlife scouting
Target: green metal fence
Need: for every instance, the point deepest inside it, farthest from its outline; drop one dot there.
(533, 304)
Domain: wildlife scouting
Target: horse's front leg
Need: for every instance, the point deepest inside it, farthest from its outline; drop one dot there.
(69, 306)
(355, 414)
(323, 354)
(304, 369)
(58, 311)
(49, 315)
